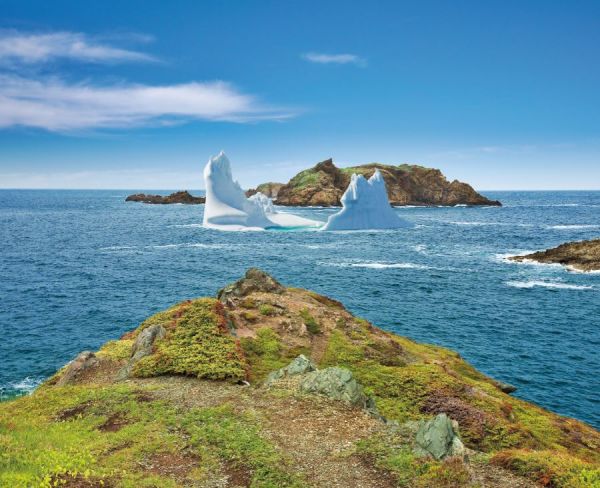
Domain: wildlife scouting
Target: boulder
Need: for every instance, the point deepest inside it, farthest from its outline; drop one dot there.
(254, 280)
(336, 383)
(143, 346)
(298, 366)
(439, 438)
(75, 368)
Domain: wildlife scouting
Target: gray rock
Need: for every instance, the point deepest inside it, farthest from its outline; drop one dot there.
(336, 383)
(254, 280)
(75, 368)
(439, 438)
(143, 346)
(298, 366)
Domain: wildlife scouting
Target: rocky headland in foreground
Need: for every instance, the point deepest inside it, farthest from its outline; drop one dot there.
(325, 183)
(581, 255)
(178, 197)
(269, 386)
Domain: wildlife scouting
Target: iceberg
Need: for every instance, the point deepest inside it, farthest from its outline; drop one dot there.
(227, 207)
(365, 206)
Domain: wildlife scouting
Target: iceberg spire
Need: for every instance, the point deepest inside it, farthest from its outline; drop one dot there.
(227, 207)
(365, 206)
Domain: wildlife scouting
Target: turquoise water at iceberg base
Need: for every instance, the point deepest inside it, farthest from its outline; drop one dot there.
(78, 268)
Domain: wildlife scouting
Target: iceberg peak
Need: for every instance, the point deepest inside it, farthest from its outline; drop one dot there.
(227, 207)
(365, 206)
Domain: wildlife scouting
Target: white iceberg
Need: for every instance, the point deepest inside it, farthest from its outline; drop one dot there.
(227, 207)
(365, 206)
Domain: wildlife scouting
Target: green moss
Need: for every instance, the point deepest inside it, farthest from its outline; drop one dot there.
(116, 350)
(304, 178)
(550, 468)
(196, 344)
(249, 315)
(266, 309)
(221, 435)
(311, 323)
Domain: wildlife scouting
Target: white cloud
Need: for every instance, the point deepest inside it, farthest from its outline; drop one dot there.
(31, 48)
(56, 105)
(335, 59)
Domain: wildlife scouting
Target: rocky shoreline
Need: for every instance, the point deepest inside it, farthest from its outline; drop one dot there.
(178, 197)
(580, 256)
(324, 184)
(270, 386)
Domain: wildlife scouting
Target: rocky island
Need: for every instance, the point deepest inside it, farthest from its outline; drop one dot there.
(178, 197)
(325, 183)
(580, 256)
(269, 386)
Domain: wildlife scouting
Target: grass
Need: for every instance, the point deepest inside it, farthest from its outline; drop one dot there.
(311, 323)
(266, 309)
(304, 178)
(219, 434)
(56, 434)
(392, 454)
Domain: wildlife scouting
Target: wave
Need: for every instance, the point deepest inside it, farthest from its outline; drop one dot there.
(574, 226)
(375, 265)
(117, 248)
(191, 245)
(26, 385)
(547, 284)
(188, 226)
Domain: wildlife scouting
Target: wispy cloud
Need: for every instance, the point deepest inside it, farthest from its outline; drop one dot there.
(32, 48)
(322, 58)
(56, 105)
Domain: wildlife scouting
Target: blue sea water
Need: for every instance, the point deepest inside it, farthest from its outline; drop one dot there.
(78, 268)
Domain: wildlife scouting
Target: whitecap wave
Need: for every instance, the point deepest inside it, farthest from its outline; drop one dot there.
(191, 245)
(547, 284)
(375, 265)
(24, 386)
(574, 226)
(117, 248)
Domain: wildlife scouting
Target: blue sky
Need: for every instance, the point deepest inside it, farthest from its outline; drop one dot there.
(138, 94)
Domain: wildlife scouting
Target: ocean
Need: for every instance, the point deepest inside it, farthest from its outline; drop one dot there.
(78, 268)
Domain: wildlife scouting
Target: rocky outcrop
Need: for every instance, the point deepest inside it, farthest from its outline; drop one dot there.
(177, 197)
(142, 347)
(581, 256)
(269, 189)
(298, 366)
(76, 368)
(439, 438)
(325, 183)
(253, 281)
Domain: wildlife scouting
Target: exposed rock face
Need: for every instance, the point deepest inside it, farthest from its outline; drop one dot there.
(438, 437)
(269, 189)
(582, 255)
(335, 383)
(142, 347)
(324, 185)
(75, 368)
(298, 366)
(253, 281)
(177, 197)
